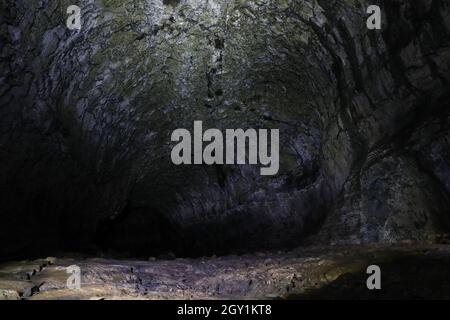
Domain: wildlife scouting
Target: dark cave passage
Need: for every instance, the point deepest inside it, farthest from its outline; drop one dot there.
(87, 116)
(145, 232)
(357, 168)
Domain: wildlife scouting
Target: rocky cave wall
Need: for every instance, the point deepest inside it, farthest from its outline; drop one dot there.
(86, 118)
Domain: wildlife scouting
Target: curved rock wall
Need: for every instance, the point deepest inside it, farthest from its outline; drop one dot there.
(86, 118)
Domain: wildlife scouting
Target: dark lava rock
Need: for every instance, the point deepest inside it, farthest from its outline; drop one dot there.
(86, 117)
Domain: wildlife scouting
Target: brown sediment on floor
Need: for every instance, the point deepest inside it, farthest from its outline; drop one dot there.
(408, 271)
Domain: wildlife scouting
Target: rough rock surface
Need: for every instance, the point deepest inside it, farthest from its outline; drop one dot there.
(306, 273)
(86, 117)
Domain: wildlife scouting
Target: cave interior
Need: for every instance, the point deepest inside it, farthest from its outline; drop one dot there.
(86, 118)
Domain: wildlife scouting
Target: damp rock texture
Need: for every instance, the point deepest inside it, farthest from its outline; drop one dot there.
(86, 118)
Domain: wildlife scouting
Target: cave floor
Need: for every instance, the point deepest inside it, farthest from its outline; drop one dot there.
(408, 271)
